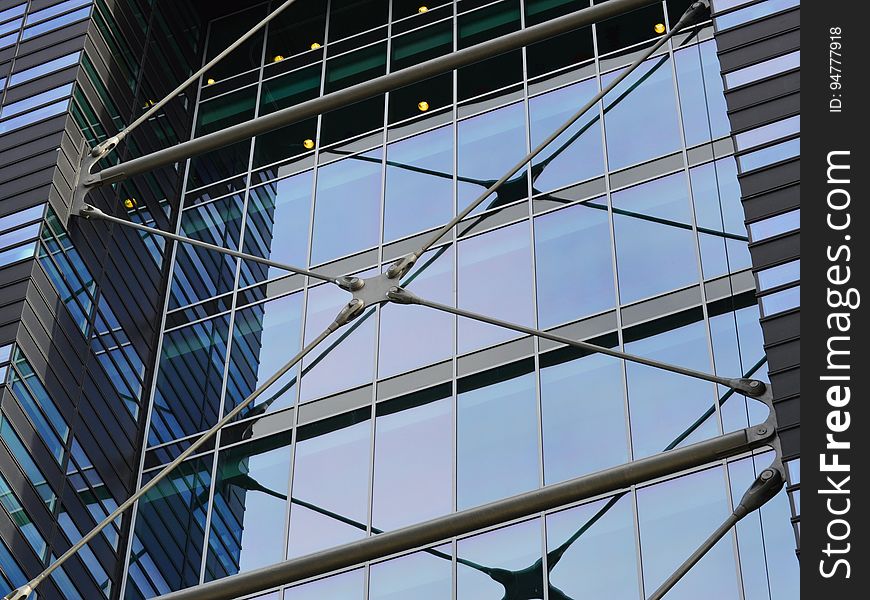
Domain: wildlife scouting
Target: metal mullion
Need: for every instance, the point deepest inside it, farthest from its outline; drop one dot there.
(454, 359)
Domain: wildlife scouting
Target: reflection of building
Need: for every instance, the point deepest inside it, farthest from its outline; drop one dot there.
(628, 232)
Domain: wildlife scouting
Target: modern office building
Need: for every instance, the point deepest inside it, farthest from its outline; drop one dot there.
(663, 223)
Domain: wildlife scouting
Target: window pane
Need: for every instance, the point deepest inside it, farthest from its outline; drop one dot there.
(497, 445)
(655, 246)
(769, 155)
(504, 551)
(574, 263)
(346, 586)
(702, 100)
(761, 70)
(330, 483)
(478, 26)
(780, 301)
(349, 17)
(295, 29)
(767, 228)
(768, 133)
(424, 575)
(226, 31)
(779, 275)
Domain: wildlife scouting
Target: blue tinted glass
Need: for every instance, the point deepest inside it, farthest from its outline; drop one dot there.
(702, 100)
(489, 144)
(55, 9)
(423, 575)
(22, 455)
(17, 236)
(15, 254)
(493, 267)
(15, 11)
(11, 574)
(574, 263)
(415, 336)
(347, 207)
(655, 246)
(347, 586)
(764, 69)
(663, 404)
(34, 116)
(183, 404)
(780, 301)
(265, 337)
(600, 562)
(769, 155)
(330, 484)
(761, 230)
(413, 461)
(756, 11)
(419, 186)
(768, 133)
(277, 226)
(47, 67)
(170, 530)
(9, 26)
(22, 520)
(487, 560)
(249, 507)
(200, 272)
(779, 275)
(50, 25)
(497, 443)
(576, 154)
(583, 410)
(344, 359)
(675, 517)
(640, 117)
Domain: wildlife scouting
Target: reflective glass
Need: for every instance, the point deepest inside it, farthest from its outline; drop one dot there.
(11, 575)
(34, 116)
(224, 32)
(779, 275)
(768, 133)
(658, 210)
(347, 207)
(55, 23)
(750, 13)
(26, 462)
(21, 519)
(761, 70)
(295, 29)
(346, 586)
(345, 358)
(640, 115)
(497, 437)
(598, 562)
(628, 29)
(575, 155)
(282, 92)
(583, 411)
(19, 253)
(501, 564)
(43, 68)
(474, 27)
(490, 144)
(226, 111)
(424, 575)
(702, 101)
(416, 336)
(356, 67)
(249, 507)
(419, 184)
(569, 49)
(495, 279)
(772, 226)
(675, 517)
(769, 155)
(265, 337)
(184, 405)
(413, 479)
(277, 226)
(330, 483)
(349, 17)
(15, 108)
(663, 404)
(780, 301)
(574, 273)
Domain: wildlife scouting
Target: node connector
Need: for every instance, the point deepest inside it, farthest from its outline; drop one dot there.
(766, 486)
(348, 313)
(401, 296)
(753, 388)
(400, 268)
(350, 283)
(106, 146)
(87, 211)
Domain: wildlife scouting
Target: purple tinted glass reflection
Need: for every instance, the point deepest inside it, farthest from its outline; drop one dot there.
(513, 548)
(421, 576)
(345, 586)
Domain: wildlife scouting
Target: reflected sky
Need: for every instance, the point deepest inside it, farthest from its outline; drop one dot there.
(512, 548)
(420, 576)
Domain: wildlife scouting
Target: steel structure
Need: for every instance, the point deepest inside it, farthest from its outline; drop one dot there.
(386, 288)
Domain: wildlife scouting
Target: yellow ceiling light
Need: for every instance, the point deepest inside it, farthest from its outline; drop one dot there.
(659, 28)
(308, 144)
(130, 203)
(278, 58)
(423, 106)
(423, 9)
(209, 81)
(315, 46)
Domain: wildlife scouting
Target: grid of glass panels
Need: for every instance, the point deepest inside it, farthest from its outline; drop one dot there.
(637, 203)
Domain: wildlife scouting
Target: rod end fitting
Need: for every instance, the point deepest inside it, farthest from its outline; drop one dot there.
(754, 388)
(766, 486)
(350, 283)
(401, 296)
(21, 593)
(88, 211)
(348, 313)
(400, 268)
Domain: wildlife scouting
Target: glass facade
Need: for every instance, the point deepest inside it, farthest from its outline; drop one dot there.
(627, 230)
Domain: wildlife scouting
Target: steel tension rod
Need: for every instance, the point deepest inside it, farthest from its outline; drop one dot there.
(398, 269)
(347, 314)
(751, 387)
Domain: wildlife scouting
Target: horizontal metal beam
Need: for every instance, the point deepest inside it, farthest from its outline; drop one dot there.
(365, 90)
(467, 521)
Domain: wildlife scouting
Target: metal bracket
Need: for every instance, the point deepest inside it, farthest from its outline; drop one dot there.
(85, 179)
(374, 290)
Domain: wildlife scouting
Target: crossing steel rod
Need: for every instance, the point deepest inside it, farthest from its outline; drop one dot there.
(347, 314)
(365, 90)
(467, 521)
(750, 387)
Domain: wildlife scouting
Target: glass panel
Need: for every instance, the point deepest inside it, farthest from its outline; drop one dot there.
(347, 207)
(768, 68)
(675, 517)
(283, 92)
(628, 29)
(768, 133)
(583, 410)
(413, 479)
(43, 68)
(265, 337)
(702, 98)
(228, 30)
(495, 279)
(424, 575)
(226, 111)
(14, 108)
(419, 185)
(330, 483)
(769, 155)
(479, 26)
(295, 29)
(249, 508)
(641, 115)
(750, 13)
(599, 562)
(184, 405)
(349, 17)
(576, 155)
(574, 263)
(569, 49)
(497, 429)
(779, 275)
(657, 210)
(356, 67)
(780, 301)
(501, 564)
(767, 228)
(346, 586)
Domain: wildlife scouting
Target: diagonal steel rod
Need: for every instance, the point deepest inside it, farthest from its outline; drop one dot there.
(110, 144)
(347, 314)
(402, 266)
(92, 212)
(750, 387)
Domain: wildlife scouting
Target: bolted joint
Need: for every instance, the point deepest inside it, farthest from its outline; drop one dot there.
(21, 593)
(106, 146)
(348, 313)
(88, 211)
(400, 268)
(402, 296)
(697, 11)
(766, 486)
(751, 387)
(350, 283)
